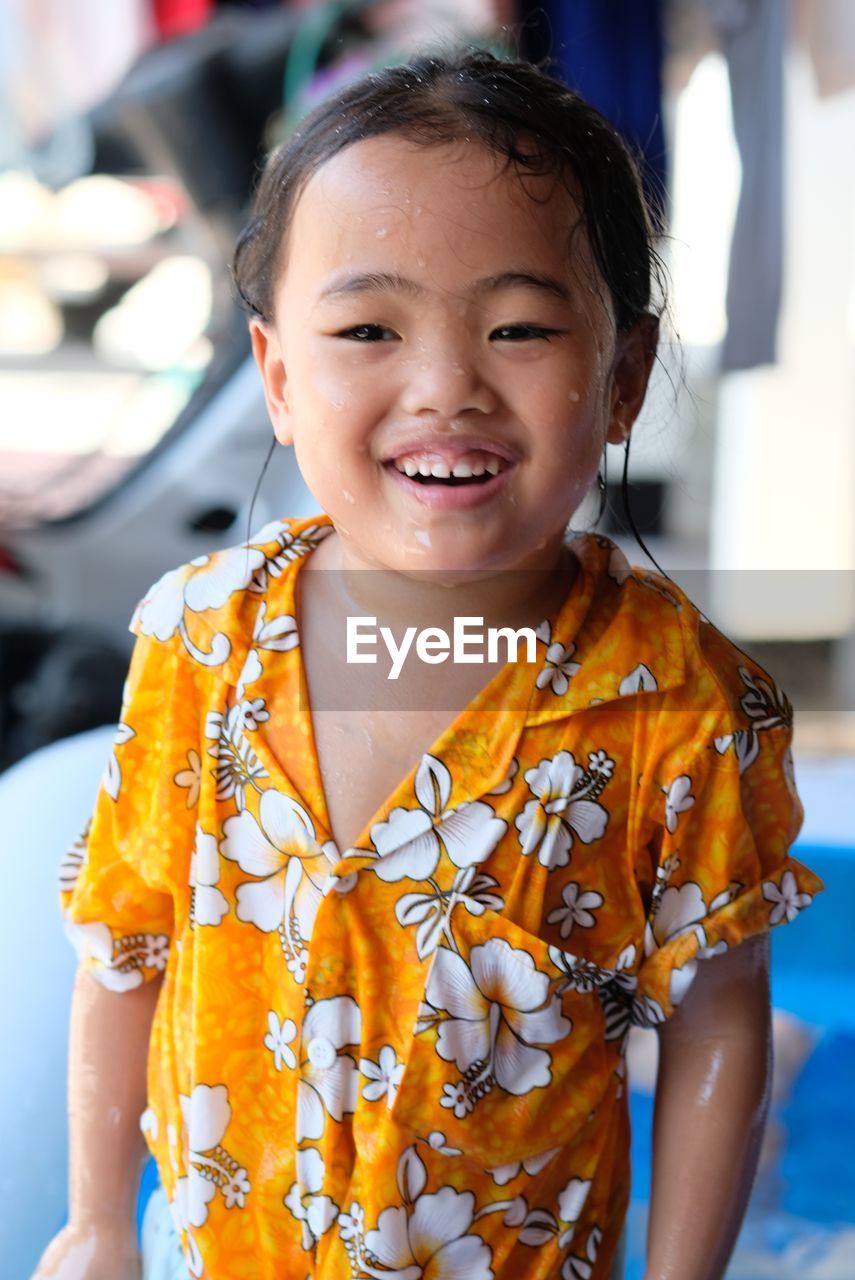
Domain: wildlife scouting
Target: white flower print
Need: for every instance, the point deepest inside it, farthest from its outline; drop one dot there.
(118, 963)
(279, 635)
(253, 713)
(558, 670)
(746, 747)
(498, 1010)
(565, 805)
(250, 672)
(456, 1097)
(571, 1202)
(680, 910)
(507, 1172)
(786, 897)
(316, 1212)
(282, 851)
(578, 909)
(191, 777)
(113, 774)
(576, 1267)
(235, 1189)
(427, 1237)
(278, 1040)
(208, 1164)
(765, 703)
(154, 950)
(206, 583)
(237, 764)
(599, 762)
(384, 1075)
(436, 1141)
(508, 781)
(352, 1223)
(73, 860)
(431, 912)
(678, 799)
(410, 841)
(208, 904)
(641, 678)
(288, 547)
(328, 1090)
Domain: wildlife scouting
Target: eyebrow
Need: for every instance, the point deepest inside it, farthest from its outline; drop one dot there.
(384, 282)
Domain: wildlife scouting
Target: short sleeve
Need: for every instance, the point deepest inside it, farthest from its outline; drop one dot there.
(120, 881)
(724, 828)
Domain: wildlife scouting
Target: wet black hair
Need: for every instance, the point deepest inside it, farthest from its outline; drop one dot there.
(531, 120)
(514, 109)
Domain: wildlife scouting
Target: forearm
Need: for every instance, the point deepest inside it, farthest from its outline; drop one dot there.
(108, 1050)
(712, 1099)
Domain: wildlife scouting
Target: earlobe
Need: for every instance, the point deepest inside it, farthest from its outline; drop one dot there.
(634, 358)
(268, 356)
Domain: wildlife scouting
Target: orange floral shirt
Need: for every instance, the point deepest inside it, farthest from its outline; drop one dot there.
(407, 1059)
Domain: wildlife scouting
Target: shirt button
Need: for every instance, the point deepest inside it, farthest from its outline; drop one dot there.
(321, 1052)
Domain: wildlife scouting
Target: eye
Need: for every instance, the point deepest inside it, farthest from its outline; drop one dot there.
(523, 332)
(367, 333)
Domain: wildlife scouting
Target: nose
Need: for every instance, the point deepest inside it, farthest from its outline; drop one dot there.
(447, 382)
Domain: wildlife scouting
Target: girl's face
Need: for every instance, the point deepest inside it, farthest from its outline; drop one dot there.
(435, 314)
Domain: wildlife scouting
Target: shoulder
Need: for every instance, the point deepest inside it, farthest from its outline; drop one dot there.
(700, 671)
(205, 611)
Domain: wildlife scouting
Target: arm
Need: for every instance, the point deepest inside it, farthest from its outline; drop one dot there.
(712, 1098)
(108, 1052)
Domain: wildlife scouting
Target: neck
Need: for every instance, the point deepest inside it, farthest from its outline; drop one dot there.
(531, 590)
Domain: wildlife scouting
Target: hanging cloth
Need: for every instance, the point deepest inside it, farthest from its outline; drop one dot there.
(611, 52)
(752, 35)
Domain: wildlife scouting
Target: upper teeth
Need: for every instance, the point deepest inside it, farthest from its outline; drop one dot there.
(475, 466)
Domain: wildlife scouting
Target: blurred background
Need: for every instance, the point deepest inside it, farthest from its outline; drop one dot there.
(133, 432)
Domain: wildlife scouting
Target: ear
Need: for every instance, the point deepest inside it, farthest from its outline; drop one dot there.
(634, 356)
(271, 366)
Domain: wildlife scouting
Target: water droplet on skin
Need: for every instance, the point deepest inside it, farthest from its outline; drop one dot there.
(422, 536)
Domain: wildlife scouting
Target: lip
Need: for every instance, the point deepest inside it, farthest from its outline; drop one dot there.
(442, 497)
(449, 451)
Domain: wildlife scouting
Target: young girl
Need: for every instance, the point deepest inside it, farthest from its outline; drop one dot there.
(400, 929)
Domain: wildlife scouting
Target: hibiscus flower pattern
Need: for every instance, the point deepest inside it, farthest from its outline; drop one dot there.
(210, 581)
(209, 1167)
(329, 1078)
(280, 849)
(498, 1016)
(428, 1236)
(566, 806)
(315, 1212)
(208, 904)
(410, 842)
(381, 1059)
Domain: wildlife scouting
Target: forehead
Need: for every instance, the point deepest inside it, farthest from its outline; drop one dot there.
(452, 208)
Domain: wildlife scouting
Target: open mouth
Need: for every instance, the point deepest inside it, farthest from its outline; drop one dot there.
(452, 481)
(475, 468)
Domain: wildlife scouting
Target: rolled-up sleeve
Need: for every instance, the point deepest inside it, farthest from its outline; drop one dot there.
(120, 882)
(725, 824)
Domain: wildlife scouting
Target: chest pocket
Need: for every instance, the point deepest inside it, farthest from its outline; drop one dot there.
(514, 1045)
